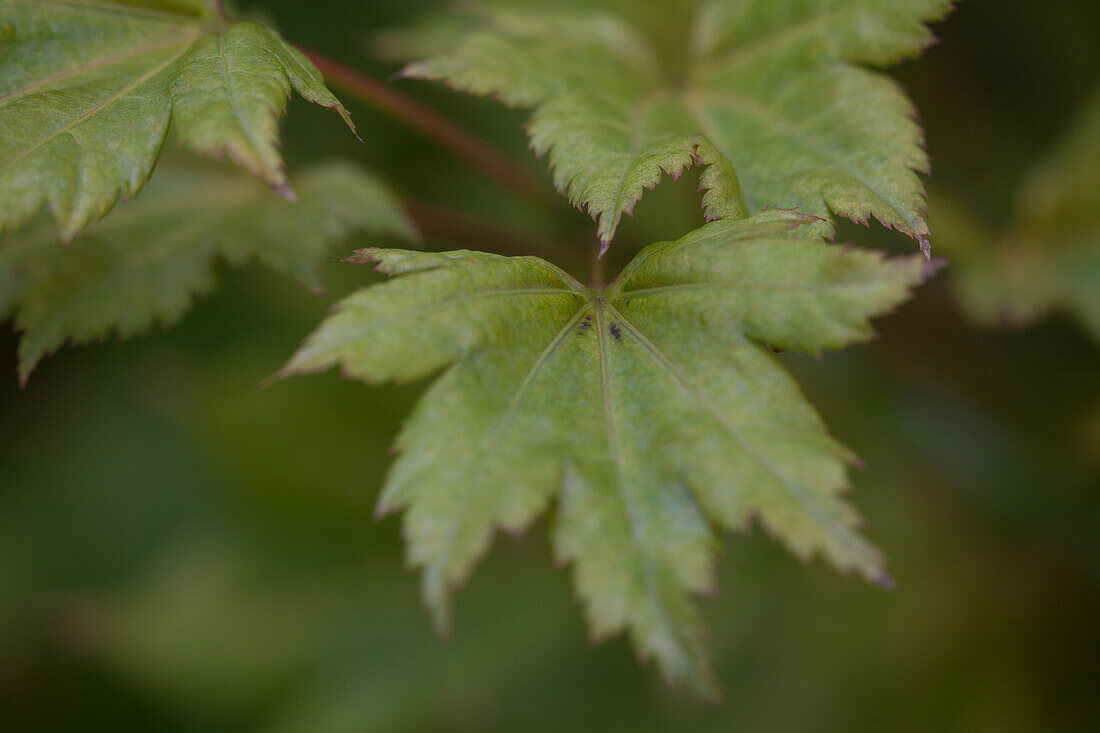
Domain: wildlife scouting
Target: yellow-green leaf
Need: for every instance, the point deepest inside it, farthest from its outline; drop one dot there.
(647, 410)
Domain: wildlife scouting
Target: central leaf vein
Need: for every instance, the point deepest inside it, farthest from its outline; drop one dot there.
(615, 452)
(502, 425)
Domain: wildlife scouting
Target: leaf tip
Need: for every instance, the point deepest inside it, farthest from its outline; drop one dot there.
(284, 190)
(346, 117)
(415, 70)
(278, 376)
(386, 504)
(365, 256)
(702, 682)
(885, 581)
(925, 247)
(25, 369)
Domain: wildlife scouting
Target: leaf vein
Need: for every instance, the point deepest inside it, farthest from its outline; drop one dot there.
(70, 126)
(735, 285)
(501, 428)
(615, 452)
(105, 61)
(234, 106)
(809, 503)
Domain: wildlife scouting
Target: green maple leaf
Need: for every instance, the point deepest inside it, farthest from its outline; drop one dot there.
(1049, 259)
(772, 96)
(146, 263)
(88, 90)
(646, 409)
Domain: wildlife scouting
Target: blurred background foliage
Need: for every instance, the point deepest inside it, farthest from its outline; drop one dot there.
(180, 550)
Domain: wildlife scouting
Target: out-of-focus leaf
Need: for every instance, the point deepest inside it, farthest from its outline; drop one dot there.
(772, 96)
(645, 409)
(146, 263)
(88, 91)
(1049, 260)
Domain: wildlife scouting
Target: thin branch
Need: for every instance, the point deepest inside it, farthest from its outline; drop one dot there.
(437, 222)
(432, 124)
(220, 9)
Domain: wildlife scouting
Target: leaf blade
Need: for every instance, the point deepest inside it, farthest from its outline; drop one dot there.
(89, 90)
(613, 116)
(646, 417)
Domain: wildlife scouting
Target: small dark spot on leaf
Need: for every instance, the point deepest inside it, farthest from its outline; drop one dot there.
(615, 331)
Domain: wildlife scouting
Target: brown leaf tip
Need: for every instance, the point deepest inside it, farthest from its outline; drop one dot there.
(925, 247)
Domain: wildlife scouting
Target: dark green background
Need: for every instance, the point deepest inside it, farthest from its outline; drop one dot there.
(180, 550)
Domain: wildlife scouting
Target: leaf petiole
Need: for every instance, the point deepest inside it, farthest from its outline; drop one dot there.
(444, 131)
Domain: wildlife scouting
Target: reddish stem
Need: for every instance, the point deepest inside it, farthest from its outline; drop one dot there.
(219, 8)
(433, 125)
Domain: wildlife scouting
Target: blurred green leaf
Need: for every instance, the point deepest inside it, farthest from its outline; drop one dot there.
(1049, 260)
(147, 263)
